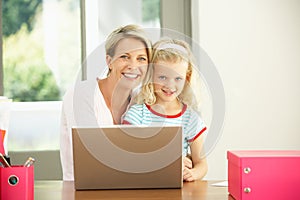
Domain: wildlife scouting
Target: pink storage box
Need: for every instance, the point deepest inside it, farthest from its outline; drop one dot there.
(264, 175)
(17, 183)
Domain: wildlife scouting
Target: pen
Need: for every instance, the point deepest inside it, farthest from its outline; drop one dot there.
(3, 161)
(29, 162)
(2, 136)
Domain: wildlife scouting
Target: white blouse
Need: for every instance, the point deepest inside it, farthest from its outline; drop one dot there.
(83, 105)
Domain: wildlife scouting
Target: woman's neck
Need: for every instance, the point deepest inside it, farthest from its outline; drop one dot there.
(116, 98)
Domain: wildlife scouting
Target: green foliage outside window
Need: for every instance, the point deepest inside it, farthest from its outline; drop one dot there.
(150, 10)
(26, 76)
(15, 13)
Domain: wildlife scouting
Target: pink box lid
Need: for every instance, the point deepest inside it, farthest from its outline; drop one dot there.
(236, 155)
(266, 153)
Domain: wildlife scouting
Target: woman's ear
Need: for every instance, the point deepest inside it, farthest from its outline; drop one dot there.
(108, 60)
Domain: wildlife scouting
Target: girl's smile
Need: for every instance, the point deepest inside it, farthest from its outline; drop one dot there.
(169, 80)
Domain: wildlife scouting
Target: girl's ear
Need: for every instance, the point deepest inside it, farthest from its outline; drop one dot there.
(189, 73)
(188, 76)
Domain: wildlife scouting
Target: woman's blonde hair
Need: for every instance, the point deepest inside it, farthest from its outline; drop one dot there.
(170, 50)
(128, 31)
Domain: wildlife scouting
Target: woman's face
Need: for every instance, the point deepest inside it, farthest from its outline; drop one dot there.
(129, 64)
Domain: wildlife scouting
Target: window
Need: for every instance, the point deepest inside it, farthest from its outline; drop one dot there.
(41, 56)
(41, 48)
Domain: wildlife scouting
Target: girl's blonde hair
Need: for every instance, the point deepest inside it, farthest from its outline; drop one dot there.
(170, 50)
(128, 31)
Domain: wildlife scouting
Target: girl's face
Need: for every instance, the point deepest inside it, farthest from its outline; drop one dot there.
(129, 64)
(169, 79)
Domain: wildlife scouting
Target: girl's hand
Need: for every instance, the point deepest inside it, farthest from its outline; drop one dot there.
(187, 166)
(187, 162)
(188, 174)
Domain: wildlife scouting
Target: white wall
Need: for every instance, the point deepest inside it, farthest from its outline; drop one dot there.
(255, 45)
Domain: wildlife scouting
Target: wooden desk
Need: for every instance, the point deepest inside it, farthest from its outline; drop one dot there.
(64, 190)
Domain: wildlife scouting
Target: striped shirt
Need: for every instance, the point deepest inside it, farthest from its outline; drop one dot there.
(192, 125)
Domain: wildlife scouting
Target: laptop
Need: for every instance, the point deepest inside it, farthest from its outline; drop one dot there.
(127, 157)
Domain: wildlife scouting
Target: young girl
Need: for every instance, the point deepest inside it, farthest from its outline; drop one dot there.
(167, 98)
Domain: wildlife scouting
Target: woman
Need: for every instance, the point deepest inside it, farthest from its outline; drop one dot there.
(103, 101)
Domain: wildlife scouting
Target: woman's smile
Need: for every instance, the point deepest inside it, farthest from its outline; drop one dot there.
(131, 75)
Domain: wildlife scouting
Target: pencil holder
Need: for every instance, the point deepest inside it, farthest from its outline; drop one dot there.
(17, 182)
